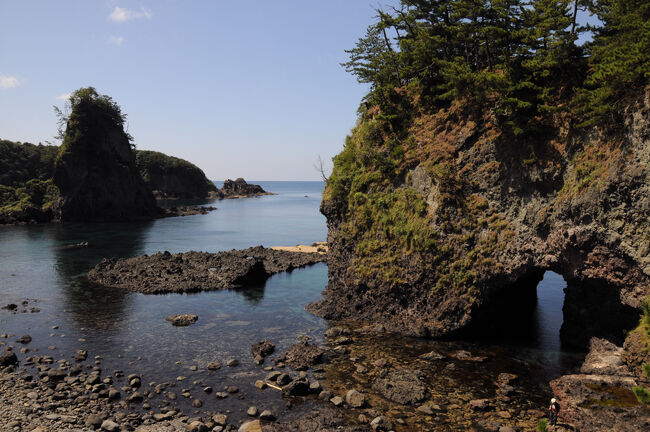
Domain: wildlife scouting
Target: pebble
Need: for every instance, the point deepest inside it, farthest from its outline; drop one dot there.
(252, 411)
(233, 362)
(110, 426)
(267, 415)
(214, 365)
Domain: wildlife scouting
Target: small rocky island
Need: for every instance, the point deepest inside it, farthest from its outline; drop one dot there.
(198, 271)
(238, 188)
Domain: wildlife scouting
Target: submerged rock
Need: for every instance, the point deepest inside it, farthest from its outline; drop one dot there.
(182, 320)
(262, 349)
(403, 386)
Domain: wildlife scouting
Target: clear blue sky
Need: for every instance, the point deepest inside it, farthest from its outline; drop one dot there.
(248, 89)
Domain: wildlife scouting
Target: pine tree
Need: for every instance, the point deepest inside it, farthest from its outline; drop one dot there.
(620, 58)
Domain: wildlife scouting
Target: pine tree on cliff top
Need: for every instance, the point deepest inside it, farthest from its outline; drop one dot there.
(620, 58)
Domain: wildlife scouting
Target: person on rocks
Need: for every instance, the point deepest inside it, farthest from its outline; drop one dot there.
(553, 411)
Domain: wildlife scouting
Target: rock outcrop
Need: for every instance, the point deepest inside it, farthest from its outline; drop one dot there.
(600, 397)
(95, 169)
(239, 188)
(172, 177)
(198, 271)
(437, 232)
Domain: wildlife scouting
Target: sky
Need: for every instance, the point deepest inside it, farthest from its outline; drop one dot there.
(249, 89)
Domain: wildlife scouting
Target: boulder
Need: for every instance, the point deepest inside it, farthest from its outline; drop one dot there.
(403, 386)
(182, 320)
(355, 399)
(8, 358)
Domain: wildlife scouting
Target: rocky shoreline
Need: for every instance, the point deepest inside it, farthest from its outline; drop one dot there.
(599, 398)
(356, 382)
(198, 271)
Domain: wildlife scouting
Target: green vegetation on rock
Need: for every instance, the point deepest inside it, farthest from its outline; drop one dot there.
(26, 189)
(641, 393)
(517, 57)
(482, 157)
(170, 176)
(95, 169)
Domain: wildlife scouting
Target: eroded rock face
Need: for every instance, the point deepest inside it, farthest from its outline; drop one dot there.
(96, 170)
(240, 188)
(492, 212)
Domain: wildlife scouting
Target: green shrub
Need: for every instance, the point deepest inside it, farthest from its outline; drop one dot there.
(542, 425)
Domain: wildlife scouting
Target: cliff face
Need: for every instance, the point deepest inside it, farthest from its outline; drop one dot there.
(95, 169)
(439, 230)
(171, 177)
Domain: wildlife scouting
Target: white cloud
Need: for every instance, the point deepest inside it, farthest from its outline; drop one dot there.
(115, 40)
(64, 96)
(122, 15)
(7, 81)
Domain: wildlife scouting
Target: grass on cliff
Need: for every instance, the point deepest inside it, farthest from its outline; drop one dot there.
(396, 227)
(642, 394)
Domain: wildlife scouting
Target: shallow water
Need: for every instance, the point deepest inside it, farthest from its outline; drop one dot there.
(129, 332)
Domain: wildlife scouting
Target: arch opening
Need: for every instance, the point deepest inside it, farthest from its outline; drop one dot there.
(545, 311)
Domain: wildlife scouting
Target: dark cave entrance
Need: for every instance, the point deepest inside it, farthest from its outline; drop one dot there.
(546, 312)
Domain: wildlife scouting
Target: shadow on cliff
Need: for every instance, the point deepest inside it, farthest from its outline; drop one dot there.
(513, 314)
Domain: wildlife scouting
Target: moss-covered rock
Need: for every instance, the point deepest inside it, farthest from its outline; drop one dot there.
(435, 221)
(172, 177)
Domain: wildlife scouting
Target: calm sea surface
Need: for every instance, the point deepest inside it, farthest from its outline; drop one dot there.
(129, 330)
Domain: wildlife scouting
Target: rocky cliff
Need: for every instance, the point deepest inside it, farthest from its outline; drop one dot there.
(96, 168)
(172, 177)
(437, 230)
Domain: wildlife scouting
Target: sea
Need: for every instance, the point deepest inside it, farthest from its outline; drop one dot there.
(124, 331)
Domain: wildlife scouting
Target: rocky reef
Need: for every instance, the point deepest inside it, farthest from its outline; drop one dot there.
(198, 271)
(239, 188)
(172, 177)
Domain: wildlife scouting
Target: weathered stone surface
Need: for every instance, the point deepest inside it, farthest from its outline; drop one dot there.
(263, 348)
(182, 320)
(480, 405)
(251, 426)
(561, 213)
(8, 358)
(355, 399)
(302, 356)
(299, 387)
(239, 188)
(96, 170)
(402, 386)
(198, 271)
